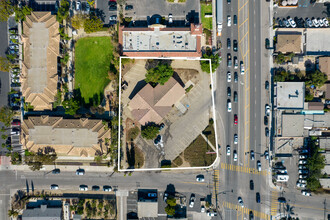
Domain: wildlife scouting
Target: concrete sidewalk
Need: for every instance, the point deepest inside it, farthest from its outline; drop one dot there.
(63, 168)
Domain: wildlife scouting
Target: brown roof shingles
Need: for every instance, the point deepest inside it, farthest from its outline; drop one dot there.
(324, 65)
(288, 42)
(152, 104)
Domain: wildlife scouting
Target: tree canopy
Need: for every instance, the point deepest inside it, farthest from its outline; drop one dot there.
(78, 20)
(205, 64)
(71, 106)
(36, 160)
(4, 64)
(170, 210)
(6, 115)
(6, 9)
(63, 11)
(149, 131)
(93, 24)
(160, 74)
(22, 12)
(317, 78)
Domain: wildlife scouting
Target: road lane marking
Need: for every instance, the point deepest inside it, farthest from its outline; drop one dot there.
(239, 26)
(274, 203)
(242, 210)
(243, 36)
(243, 169)
(243, 6)
(195, 183)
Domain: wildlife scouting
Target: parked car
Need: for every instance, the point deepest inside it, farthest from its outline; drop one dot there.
(302, 161)
(235, 119)
(228, 150)
(14, 46)
(281, 200)
(325, 22)
(107, 188)
(235, 20)
(303, 171)
(54, 187)
(95, 188)
(113, 7)
(240, 201)
(200, 178)
(267, 132)
(113, 18)
(56, 171)
(292, 22)
(302, 156)
(266, 154)
(303, 151)
(161, 126)
(88, 7)
(128, 7)
(252, 155)
(267, 43)
(267, 109)
(192, 200)
(309, 22)
(16, 122)
(315, 22)
(301, 185)
(80, 172)
(78, 5)
(235, 155)
(303, 176)
(302, 181)
(152, 195)
(305, 193)
(265, 120)
(267, 85)
(83, 188)
(15, 131)
(203, 209)
(159, 139)
(228, 76)
(320, 22)
(165, 197)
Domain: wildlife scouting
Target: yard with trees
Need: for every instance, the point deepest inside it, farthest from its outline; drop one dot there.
(159, 74)
(205, 64)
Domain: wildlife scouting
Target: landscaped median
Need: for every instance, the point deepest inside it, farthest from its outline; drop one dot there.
(92, 60)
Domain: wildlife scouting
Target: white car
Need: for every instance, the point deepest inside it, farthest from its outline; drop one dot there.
(321, 22)
(228, 76)
(303, 176)
(235, 63)
(228, 20)
(301, 185)
(286, 23)
(200, 178)
(315, 22)
(80, 172)
(83, 188)
(302, 181)
(302, 157)
(302, 167)
(192, 201)
(54, 187)
(259, 166)
(235, 155)
(242, 68)
(309, 22)
(107, 188)
(228, 150)
(267, 109)
(203, 209)
(292, 22)
(325, 22)
(302, 161)
(305, 193)
(235, 139)
(229, 106)
(78, 5)
(14, 46)
(170, 18)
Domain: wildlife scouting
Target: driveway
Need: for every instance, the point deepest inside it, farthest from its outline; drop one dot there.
(144, 8)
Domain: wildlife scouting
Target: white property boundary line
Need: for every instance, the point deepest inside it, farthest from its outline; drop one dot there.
(213, 109)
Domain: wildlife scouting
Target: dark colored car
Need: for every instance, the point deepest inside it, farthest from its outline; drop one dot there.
(267, 132)
(266, 120)
(281, 200)
(95, 188)
(16, 122)
(112, 6)
(235, 19)
(235, 45)
(251, 185)
(228, 44)
(228, 92)
(162, 125)
(267, 43)
(228, 1)
(157, 140)
(128, 7)
(235, 97)
(229, 60)
(267, 85)
(235, 77)
(56, 171)
(258, 197)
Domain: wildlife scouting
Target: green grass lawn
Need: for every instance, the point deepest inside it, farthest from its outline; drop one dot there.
(207, 22)
(92, 62)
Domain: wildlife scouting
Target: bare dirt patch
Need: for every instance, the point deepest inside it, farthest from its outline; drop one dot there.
(188, 74)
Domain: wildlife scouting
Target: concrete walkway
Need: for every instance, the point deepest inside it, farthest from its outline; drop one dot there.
(208, 142)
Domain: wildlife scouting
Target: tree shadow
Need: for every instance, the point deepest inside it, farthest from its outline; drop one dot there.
(139, 85)
(130, 154)
(170, 189)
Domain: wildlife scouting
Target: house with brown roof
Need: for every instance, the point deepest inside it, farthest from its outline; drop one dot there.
(324, 65)
(158, 40)
(41, 41)
(68, 137)
(289, 42)
(152, 104)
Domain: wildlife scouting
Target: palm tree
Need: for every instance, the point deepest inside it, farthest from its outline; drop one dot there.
(289, 210)
(12, 213)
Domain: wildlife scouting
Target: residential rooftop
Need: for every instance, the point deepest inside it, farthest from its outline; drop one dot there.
(289, 41)
(42, 213)
(317, 41)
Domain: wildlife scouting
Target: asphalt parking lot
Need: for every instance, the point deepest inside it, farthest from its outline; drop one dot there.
(304, 9)
(142, 9)
(102, 8)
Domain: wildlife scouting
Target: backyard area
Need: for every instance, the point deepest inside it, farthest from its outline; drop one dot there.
(206, 9)
(92, 63)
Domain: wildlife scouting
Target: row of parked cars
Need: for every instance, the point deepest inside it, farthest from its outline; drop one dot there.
(106, 188)
(303, 23)
(303, 171)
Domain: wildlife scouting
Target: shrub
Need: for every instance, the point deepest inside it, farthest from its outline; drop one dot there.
(149, 131)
